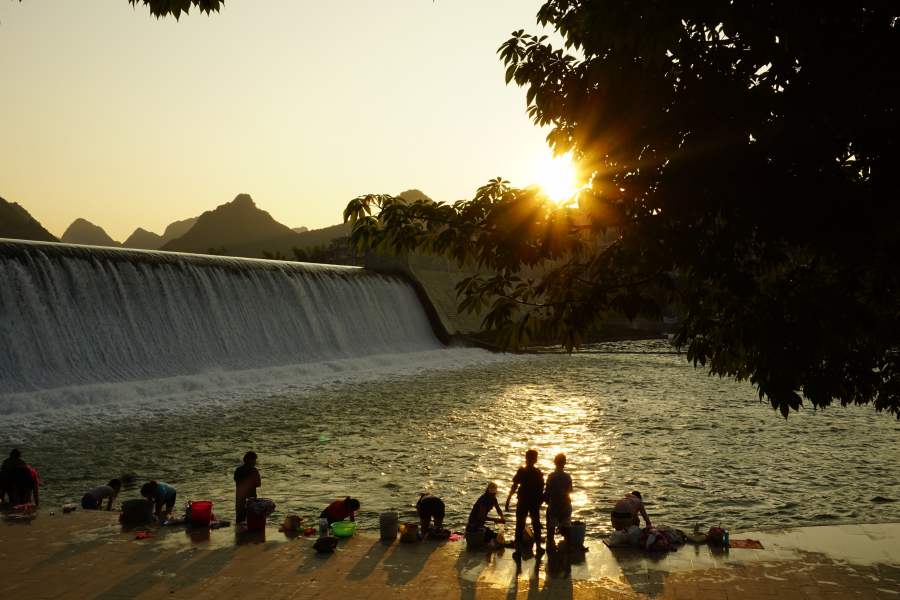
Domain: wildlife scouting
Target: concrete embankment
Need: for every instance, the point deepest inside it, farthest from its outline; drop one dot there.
(89, 555)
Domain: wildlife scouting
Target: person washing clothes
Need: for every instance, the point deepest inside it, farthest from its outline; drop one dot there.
(528, 484)
(93, 499)
(246, 480)
(478, 517)
(340, 510)
(430, 507)
(159, 493)
(625, 512)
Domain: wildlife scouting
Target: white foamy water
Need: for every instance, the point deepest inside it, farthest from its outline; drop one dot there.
(88, 332)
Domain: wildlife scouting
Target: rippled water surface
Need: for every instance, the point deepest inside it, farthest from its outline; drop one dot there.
(699, 448)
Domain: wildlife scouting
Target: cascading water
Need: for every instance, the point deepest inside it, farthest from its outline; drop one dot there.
(75, 319)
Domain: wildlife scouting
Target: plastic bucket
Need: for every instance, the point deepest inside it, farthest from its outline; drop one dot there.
(389, 525)
(137, 511)
(576, 540)
(201, 513)
(255, 522)
(474, 538)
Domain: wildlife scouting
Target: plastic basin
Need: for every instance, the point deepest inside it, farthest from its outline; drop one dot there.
(474, 539)
(343, 528)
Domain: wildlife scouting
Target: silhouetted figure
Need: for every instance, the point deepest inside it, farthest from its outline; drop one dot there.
(625, 512)
(160, 493)
(340, 510)
(15, 460)
(478, 517)
(430, 507)
(93, 499)
(528, 484)
(246, 480)
(559, 503)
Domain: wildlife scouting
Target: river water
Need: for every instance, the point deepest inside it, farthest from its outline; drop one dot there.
(628, 415)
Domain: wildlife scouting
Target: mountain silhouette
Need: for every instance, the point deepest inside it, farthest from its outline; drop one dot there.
(17, 224)
(86, 233)
(147, 240)
(413, 195)
(235, 225)
(143, 240)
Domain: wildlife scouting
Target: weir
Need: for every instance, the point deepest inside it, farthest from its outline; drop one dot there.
(80, 315)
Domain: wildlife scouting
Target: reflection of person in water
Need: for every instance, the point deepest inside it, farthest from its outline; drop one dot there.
(479, 515)
(625, 512)
(430, 507)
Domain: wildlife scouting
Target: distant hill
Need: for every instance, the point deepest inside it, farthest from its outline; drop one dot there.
(143, 240)
(86, 233)
(17, 224)
(300, 229)
(236, 225)
(313, 237)
(147, 240)
(413, 195)
(177, 229)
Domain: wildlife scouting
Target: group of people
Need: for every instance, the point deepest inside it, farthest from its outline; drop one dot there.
(20, 482)
(531, 493)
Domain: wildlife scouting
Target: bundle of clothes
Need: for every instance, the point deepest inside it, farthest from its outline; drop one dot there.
(261, 507)
(655, 539)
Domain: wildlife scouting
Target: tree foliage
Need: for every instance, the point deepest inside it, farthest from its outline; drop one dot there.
(163, 8)
(742, 152)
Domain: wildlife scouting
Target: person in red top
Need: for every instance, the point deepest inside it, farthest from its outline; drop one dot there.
(340, 510)
(246, 480)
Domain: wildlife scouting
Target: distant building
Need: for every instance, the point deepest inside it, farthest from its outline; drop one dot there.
(339, 253)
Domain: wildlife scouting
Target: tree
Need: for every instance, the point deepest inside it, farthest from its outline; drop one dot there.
(163, 8)
(742, 151)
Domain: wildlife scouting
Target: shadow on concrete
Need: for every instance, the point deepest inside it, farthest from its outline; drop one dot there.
(366, 565)
(71, 550)
(407, 561)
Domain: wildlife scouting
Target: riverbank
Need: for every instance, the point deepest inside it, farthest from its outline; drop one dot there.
(91, 556)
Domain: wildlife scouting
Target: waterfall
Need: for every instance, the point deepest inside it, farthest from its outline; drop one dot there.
(75, 316)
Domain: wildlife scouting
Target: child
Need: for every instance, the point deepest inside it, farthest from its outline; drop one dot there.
(93, 499)
(559, 509)
(529, 482)
(246, 480)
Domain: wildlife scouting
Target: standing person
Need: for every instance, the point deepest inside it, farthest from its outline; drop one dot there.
(15, 460)
(25, 482)
(559, 504)
(246, 480)
(430, 507)
(528, 483)
(340, 510)
(160, 493)
(478, 517)
(93, 499)
(625, 512)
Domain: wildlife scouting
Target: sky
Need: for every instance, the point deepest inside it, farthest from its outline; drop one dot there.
(111, 115)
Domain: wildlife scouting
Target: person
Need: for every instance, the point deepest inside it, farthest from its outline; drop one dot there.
(160, 493)
(430, 507)
(24, 483)
(625, 512)
(528, 485)
(479, 515)
(340, 510)
(559, 503)
(246, 480)
(15, 460)
(93, 499)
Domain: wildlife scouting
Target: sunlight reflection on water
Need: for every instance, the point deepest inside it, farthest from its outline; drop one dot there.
(699, 448)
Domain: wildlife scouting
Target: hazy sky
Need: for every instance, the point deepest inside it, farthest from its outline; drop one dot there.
(113, 116)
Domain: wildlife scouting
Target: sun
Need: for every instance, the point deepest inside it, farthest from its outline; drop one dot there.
(556, 176)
